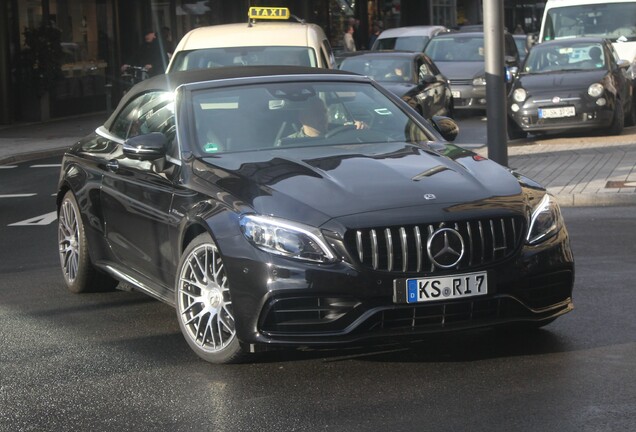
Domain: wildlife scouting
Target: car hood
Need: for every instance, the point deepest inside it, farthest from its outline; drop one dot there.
(316, 184)
(560, 81)
(461, 70)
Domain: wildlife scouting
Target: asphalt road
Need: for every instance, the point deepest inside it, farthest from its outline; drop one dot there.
(117, 361)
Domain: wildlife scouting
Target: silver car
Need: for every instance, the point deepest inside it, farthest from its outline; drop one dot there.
(413, 38)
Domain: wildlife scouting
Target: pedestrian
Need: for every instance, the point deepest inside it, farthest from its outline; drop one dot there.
(374, 35)
(349, 43)
(149, 55)
(519, 29)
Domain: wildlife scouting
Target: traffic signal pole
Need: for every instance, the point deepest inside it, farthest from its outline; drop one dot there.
(496, 111)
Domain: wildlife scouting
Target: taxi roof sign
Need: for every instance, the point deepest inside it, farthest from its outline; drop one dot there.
(275, 13)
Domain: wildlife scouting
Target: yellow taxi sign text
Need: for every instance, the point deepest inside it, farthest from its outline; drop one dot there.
(280, 13)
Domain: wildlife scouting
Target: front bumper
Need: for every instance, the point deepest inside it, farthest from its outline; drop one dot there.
(470, 97)
(587, 116)
(287, 303)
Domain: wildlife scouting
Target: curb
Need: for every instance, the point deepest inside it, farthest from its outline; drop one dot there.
(25, 157)
(596, 200)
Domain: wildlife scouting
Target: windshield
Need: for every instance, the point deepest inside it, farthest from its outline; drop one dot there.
(583, 56)
(614, 21)
(456, 49)
(404, 43)
(380, 69)
(298, 114)
(243, 56)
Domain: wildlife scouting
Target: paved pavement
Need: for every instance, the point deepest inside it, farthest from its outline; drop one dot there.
(583, 171)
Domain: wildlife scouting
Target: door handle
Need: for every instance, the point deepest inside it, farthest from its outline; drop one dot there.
(112, 165)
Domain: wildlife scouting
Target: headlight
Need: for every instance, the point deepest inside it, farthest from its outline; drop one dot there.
(595, 90)
(479, 81)
(286, 238)
(519, 95)
(545, 221)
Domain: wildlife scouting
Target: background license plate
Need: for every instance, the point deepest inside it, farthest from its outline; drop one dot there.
(556, 112)
(456, 94)
(440, 288)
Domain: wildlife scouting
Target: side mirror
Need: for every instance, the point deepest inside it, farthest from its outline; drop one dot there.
(146, 147)
(623, 64)
(511, 73)
(427, 79)
(446, 126)
(510, 60)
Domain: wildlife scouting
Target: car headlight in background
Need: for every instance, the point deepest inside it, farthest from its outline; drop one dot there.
(519, 95)
(286, 238)
(545, 221)
(479, 81)
(595, 90)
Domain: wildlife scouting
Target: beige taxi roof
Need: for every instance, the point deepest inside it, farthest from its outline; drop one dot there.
(258, 34)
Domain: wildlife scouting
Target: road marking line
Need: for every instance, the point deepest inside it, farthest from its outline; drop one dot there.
(45, 219)
(8, 166)
(46, 166)
(17, 195)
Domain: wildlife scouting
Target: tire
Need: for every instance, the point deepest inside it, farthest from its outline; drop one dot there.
(630, 117)
(616, 128)
(79, 273)
(204, 305)
(514, 131)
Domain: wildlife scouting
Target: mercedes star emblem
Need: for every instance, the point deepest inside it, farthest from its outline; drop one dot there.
(445, 248)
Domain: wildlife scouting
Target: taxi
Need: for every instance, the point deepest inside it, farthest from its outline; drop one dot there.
(272, 36)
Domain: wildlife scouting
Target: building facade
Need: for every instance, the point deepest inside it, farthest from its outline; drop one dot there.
(62, 57)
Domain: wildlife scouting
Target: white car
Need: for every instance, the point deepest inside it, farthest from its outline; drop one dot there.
(413, 38)
(257, 42)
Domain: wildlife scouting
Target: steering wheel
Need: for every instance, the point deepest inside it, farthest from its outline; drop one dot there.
(339, 130)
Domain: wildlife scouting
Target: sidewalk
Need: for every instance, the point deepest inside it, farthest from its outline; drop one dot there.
(582, 171)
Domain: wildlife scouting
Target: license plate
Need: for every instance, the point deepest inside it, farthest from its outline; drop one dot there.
(456, 94)
(557, 112)
(433, 289)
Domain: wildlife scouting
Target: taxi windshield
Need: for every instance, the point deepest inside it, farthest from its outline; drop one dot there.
(244, 56)
(297, 114)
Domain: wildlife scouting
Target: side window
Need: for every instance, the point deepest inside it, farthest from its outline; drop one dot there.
(331, 60)
(423, 69)
(156, 115)
(124, 122)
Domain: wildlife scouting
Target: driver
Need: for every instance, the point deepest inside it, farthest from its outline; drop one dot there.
(314, 119)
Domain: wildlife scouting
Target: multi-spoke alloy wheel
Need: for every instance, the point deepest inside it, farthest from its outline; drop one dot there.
(79, 273)
(204, 306)
(68, 240)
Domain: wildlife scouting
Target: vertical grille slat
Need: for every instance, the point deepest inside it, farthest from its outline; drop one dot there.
(389, 249)
(374, 250)
(418, 248)
(404, 249)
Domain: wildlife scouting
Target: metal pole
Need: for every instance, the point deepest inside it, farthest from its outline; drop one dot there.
(495, 81)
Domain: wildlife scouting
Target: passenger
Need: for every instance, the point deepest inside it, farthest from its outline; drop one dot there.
(595, 54)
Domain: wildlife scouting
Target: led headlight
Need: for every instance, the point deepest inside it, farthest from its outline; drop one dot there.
(286, 238)
(519, 95)
(595, 90)
(479, 81)
(545, 221)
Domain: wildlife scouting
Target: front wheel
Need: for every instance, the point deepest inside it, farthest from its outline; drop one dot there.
(79, 274)
(618, 121)
(204, 304)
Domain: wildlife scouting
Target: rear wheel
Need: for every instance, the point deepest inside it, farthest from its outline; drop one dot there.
(204, 304)
(79, 273)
